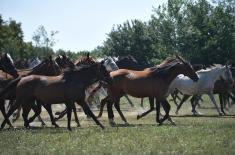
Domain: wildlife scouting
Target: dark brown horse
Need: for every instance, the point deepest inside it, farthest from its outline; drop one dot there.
(65, 88)
(151, 82)
(83, 60)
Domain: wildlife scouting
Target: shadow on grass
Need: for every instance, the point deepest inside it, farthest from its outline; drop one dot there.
(216, 116)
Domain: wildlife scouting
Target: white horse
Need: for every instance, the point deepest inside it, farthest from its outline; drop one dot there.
(205, 84)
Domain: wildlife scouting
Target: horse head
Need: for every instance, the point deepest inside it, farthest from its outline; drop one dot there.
(129, 62)
(110, 64)
(188, 69)
(85, 60)
(7, 65)
(104, 75)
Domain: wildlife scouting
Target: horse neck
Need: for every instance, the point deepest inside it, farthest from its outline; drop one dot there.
(173, 72)
(87, 77)
(215, 74)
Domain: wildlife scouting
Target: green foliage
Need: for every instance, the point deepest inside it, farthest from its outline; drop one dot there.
(200, 31)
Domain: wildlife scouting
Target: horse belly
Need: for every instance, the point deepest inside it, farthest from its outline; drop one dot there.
(138, 89)
(50, 95)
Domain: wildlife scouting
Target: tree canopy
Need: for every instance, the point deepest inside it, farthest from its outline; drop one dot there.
(201, 31)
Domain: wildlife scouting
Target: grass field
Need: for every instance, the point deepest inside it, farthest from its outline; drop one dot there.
(192, 135)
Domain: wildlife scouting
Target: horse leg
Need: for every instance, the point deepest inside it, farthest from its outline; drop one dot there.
(49, 111)
(222, 101)
(2, 108)
(110, 113)
(69, 111)
(158, 104)
(166, 106)
(25, 113)
(90, 113)
(37, 110)
(10, 112)
(102, 104)
(16, 114)
(173, 95)
(214, 102)
(75, 115)
(181, 103)
(117, 106)
(129, 101)
(142, 102)
(151, 103)
(194, 102)
(61, 114)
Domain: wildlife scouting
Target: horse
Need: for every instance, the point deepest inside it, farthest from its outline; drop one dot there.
(84, 60)
(46, 67)
(222, 87)
(151, 82)
(63, 61)
(205, 84)
(65, 88)
(92, 92)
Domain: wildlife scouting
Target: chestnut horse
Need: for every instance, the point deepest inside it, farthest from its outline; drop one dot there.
(151, 82)
(65, 88)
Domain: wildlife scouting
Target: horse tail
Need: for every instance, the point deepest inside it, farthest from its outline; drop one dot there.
(12, 84)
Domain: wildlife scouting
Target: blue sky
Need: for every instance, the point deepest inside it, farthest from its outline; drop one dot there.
(82, 24)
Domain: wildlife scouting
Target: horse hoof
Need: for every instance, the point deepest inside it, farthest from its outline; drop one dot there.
(138, 116)
(57, 113)
(69, 128)
(102, 127)
(176, 112)
(127, 124)
(113, 124)
(220, 114)
(173, 123)
(56, 125)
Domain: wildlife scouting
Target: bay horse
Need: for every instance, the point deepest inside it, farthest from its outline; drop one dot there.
(46, 67)
(65, 88)
(83, 60)
(151, 82)
(205, 84)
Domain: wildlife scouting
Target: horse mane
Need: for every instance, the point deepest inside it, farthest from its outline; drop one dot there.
(84, 60)
(128, 57)
(162, 69)
(69, 71)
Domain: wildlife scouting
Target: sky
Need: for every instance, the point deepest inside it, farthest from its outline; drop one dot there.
(82, 24)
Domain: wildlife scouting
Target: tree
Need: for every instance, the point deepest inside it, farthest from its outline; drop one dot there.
(44, 41)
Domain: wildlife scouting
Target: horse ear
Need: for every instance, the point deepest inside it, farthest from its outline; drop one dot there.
(180, 58)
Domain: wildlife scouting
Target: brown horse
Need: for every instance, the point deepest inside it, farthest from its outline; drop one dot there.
(46, 67)
(84, 60)
(65, 88)
(151, 82)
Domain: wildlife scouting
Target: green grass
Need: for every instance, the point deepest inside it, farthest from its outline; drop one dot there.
(191, 135)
